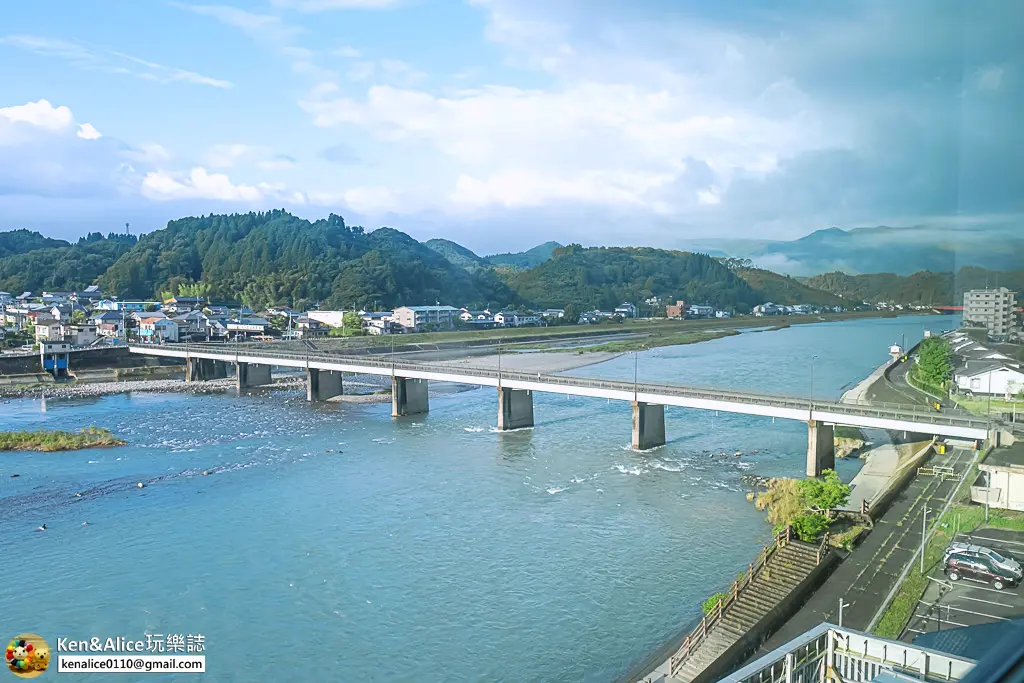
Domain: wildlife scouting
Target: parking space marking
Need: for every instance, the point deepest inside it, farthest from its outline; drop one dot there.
(992, 540)
(990, 590)
(961, 609)
(988, 602)
(945, 622)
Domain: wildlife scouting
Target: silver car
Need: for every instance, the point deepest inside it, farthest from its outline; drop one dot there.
(967, 549)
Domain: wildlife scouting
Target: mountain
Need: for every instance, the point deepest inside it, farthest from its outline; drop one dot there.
(23, 241)
(273, 257)
(925, 287)
(902, 251)
(782, 289)
(604, 277)
(525, 259)
(457, 254)
(66, 267)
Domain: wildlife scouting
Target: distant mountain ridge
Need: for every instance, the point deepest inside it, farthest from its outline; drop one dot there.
(902, 251)
(525, 259)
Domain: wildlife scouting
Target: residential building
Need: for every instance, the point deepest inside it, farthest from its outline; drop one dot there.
(556, 313)
(48, 330)
(24, 297)
(466, 315)
(676, 310)
(79, 334)
(768, 309)
(991, 308)
(993, 378)
(626, 310)
(56, 297)
(308, 327)
(108, 323)
(158, 330)
(90, 294)
(516, 319)
(723, 314)
(139, 316)
(183, 304)
(1000, 482)
(417, 318)
(248, 326)
(329, 318)
(6, 298)
(700, 312)
(214, 310)
(128, 306)
(192, 324)
(589, 318)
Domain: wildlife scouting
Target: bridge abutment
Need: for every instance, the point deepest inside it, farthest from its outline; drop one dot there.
(323, 384)
(248, 375)
(515, 408)
(408, 396)
(821, 448)
(203, 369)
(648, 426)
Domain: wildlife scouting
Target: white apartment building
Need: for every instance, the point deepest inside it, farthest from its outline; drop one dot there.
(993, 308)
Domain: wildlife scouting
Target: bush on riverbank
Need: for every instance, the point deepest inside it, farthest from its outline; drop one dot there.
(49, 441)
(712, 602)
(803, 504)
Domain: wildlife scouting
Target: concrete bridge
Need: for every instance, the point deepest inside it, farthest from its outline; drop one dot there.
(409, 381)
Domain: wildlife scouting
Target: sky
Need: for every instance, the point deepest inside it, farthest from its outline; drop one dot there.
(501, 124)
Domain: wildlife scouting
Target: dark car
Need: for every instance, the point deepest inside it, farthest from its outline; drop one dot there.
(978, 568)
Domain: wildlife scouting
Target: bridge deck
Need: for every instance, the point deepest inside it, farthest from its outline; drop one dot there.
(896, 417)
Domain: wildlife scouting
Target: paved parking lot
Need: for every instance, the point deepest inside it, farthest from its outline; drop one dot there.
(947, 605)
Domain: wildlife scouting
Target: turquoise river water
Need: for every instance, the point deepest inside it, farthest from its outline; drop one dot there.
(336, 543)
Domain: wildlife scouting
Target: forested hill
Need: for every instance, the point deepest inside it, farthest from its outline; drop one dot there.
(274, 257)
(23, 241)
(782, 289)
(65, 267)
(457, 254)
(604, 277)
(524, 259)
(924, 287)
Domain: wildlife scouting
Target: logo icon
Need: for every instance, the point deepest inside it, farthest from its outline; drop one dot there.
(28, 655)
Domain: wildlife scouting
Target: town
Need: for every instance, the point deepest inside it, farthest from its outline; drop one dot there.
(87, 318)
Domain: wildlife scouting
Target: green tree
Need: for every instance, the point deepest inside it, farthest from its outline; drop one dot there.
(825, 493)
(934, 361)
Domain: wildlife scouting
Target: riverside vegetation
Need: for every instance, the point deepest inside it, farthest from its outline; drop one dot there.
(804, 504)
(57, 440)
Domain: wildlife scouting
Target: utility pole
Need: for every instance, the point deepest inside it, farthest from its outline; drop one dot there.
(924, 533)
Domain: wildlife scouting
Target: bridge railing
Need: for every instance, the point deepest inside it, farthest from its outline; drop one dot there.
(883, 411)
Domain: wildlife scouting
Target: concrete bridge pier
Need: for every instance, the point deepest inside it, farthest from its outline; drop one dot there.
(323, 384)
(248, 375)
(408, 396)
(821, 448)
(203, 369)
(515, 408)
(648, 426)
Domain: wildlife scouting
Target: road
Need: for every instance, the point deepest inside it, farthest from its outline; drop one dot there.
(863, 579)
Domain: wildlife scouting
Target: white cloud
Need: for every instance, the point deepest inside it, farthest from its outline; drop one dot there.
(149, 154)
(87, 131)
(265, 27)
(40, 114)
(348, 52)
(198, 184)
(279, 162)
(225, 156)
(989, 78)
(109, 61)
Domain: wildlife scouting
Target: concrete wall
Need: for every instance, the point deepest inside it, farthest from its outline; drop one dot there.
(249, 375)
(648, 425)
(515, 408)
(323, 384)
(821, 448)
(409, 396)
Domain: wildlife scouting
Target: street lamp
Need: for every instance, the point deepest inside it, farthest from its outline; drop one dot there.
(842, 604)
(812, 381)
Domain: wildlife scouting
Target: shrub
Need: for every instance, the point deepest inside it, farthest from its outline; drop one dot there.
(809, 526)
(712, 602)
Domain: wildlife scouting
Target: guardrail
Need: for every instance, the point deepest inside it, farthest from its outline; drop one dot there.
(700, 633)
(881, 411)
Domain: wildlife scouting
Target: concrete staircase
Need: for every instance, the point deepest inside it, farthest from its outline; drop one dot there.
(785, 568)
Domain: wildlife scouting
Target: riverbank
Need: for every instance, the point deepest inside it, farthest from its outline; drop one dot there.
(49, 441)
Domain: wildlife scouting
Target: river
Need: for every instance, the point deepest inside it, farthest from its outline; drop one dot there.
(331, 542)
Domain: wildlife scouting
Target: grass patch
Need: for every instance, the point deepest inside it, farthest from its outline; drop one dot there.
(980, 406)
(49, 441)
(959, 519)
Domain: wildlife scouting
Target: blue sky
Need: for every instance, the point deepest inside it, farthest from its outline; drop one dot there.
(504, 123)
